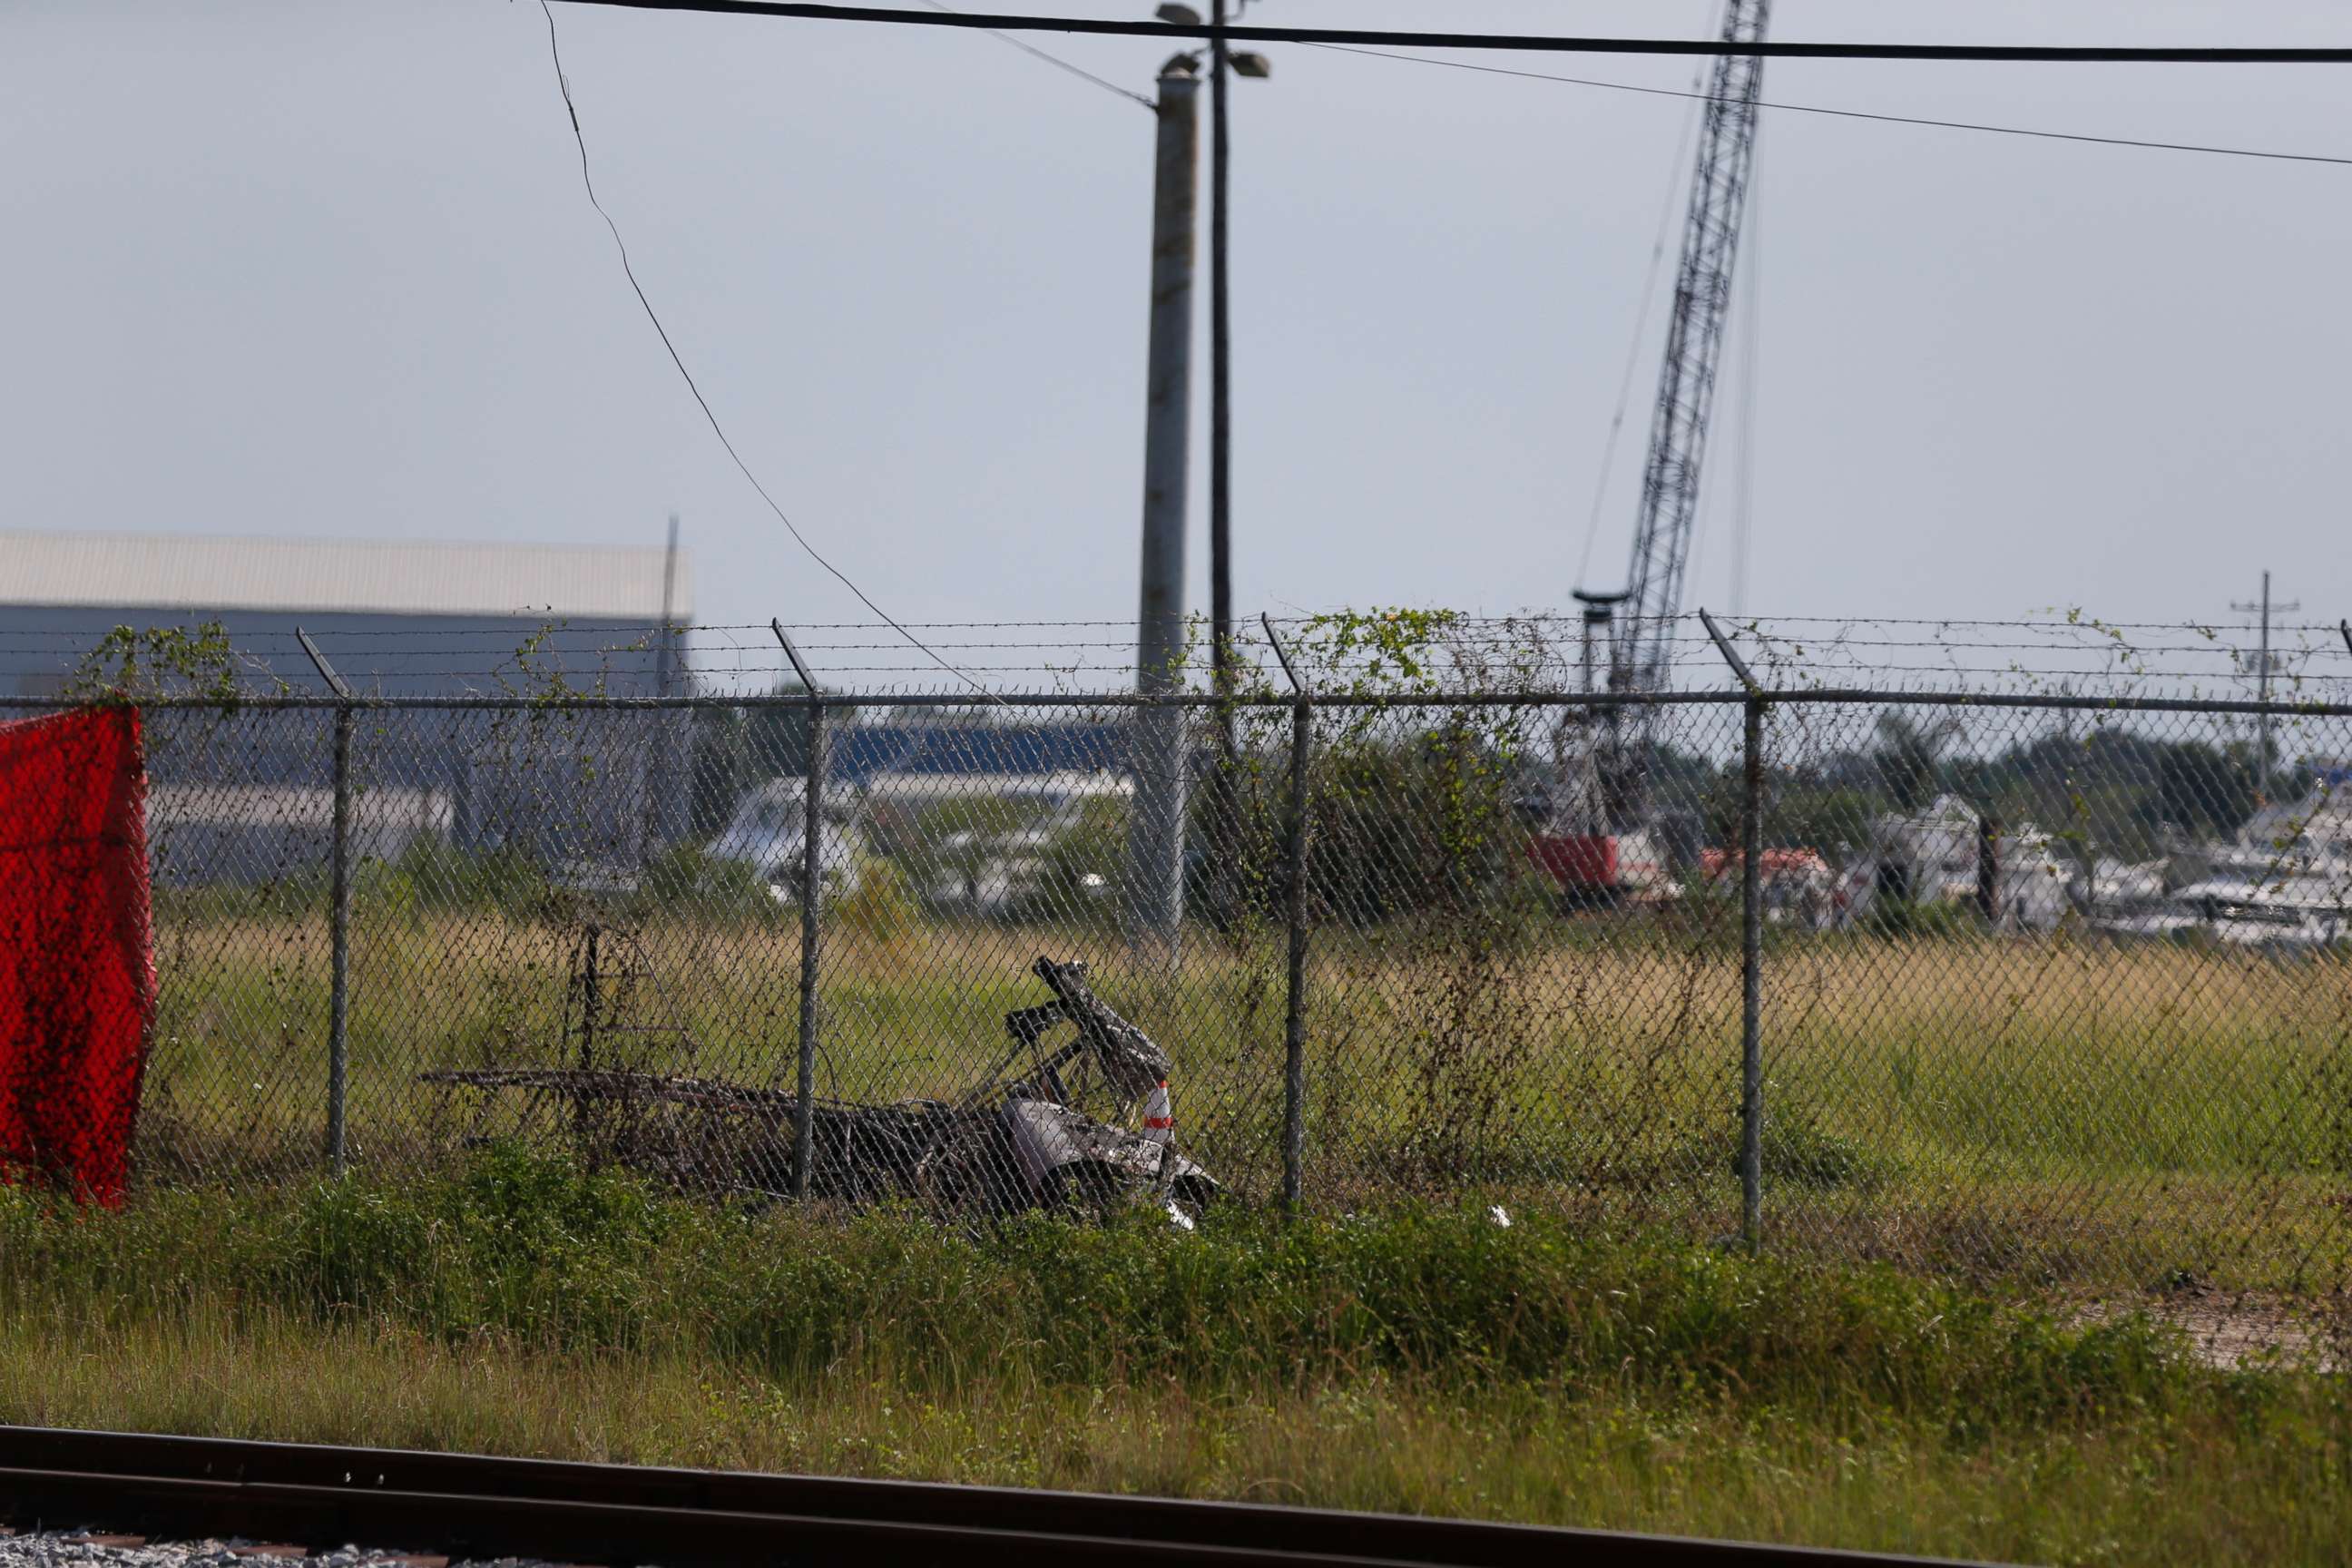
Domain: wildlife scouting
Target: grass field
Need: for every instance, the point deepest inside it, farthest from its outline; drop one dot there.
(2045, 1109)
(1426, 1360)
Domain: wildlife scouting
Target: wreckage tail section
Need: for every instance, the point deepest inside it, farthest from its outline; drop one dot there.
(1002, 1147)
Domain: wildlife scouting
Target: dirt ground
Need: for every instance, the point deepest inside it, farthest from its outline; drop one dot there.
(2232, 1329)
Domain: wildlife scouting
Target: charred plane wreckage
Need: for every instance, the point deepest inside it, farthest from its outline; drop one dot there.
(1038, 1131)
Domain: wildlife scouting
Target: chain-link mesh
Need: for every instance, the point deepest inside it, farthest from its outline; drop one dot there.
(2053, 987)
(2060, 992)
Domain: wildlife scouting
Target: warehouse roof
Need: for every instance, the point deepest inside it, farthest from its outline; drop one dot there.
(206, 572)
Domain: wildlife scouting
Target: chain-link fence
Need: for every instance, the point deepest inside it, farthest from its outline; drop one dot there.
(2022, 984)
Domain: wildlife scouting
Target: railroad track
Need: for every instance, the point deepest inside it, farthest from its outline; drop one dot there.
(472, 1505)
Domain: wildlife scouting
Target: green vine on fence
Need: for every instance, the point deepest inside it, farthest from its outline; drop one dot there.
(130, 665)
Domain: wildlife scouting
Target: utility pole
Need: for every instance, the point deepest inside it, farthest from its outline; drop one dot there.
(1223, 813)
(1221, 411)
(1155, 891)
(1223, 64)
(665, 816)
(2262, 681)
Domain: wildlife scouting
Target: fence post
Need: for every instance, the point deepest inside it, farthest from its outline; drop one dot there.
(812, 898)
(1751, 979)
(1988, 869)
(1294, 1017)
(339, 916)
(1752, 944)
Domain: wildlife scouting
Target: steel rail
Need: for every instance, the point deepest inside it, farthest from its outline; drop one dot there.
(327, 1497)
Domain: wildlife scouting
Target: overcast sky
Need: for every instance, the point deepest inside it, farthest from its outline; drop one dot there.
(326, 268)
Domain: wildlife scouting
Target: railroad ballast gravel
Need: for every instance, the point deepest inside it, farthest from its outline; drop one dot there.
(75, 1549)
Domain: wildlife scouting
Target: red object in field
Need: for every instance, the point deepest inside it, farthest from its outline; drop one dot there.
(77, 964)
(1576, 860)
(1773, 864)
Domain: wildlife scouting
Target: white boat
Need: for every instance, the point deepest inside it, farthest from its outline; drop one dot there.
(1932, 856)
(2288, 913)
(769, 826)
(1002, 843)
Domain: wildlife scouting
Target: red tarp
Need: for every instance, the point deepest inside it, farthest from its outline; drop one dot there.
(77, 966)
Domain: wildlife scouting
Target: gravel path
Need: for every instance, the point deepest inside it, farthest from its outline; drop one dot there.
(84, 1548)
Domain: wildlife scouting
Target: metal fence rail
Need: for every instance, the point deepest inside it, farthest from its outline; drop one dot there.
(2031, 983)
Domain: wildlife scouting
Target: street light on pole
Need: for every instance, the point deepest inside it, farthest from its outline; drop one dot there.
(1222, 61)
(1156, 859)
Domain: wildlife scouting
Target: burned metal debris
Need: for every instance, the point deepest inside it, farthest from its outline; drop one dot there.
(1039, 1131)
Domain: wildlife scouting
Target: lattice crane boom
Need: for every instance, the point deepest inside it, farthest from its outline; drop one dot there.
(1670, 478)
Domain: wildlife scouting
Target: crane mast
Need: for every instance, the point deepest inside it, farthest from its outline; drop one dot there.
(1603, 839)
(1670, 478)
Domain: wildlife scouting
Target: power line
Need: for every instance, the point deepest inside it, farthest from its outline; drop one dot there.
(555, 52)
(2079, 54)
(1839, 113)
(1056, 61)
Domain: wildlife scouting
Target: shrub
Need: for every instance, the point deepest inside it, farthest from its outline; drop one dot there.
(878, 907)
(518, 1245)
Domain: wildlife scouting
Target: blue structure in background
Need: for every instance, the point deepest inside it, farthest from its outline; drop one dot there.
(249, 798)
(861, 752)
(396, 618)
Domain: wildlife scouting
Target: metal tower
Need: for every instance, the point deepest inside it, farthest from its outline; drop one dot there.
(1670, 480)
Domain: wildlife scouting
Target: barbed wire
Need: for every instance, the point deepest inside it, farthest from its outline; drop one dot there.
(1244, 631)
(1397, 653)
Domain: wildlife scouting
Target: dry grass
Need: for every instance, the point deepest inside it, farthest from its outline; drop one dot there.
(2050, 1107)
